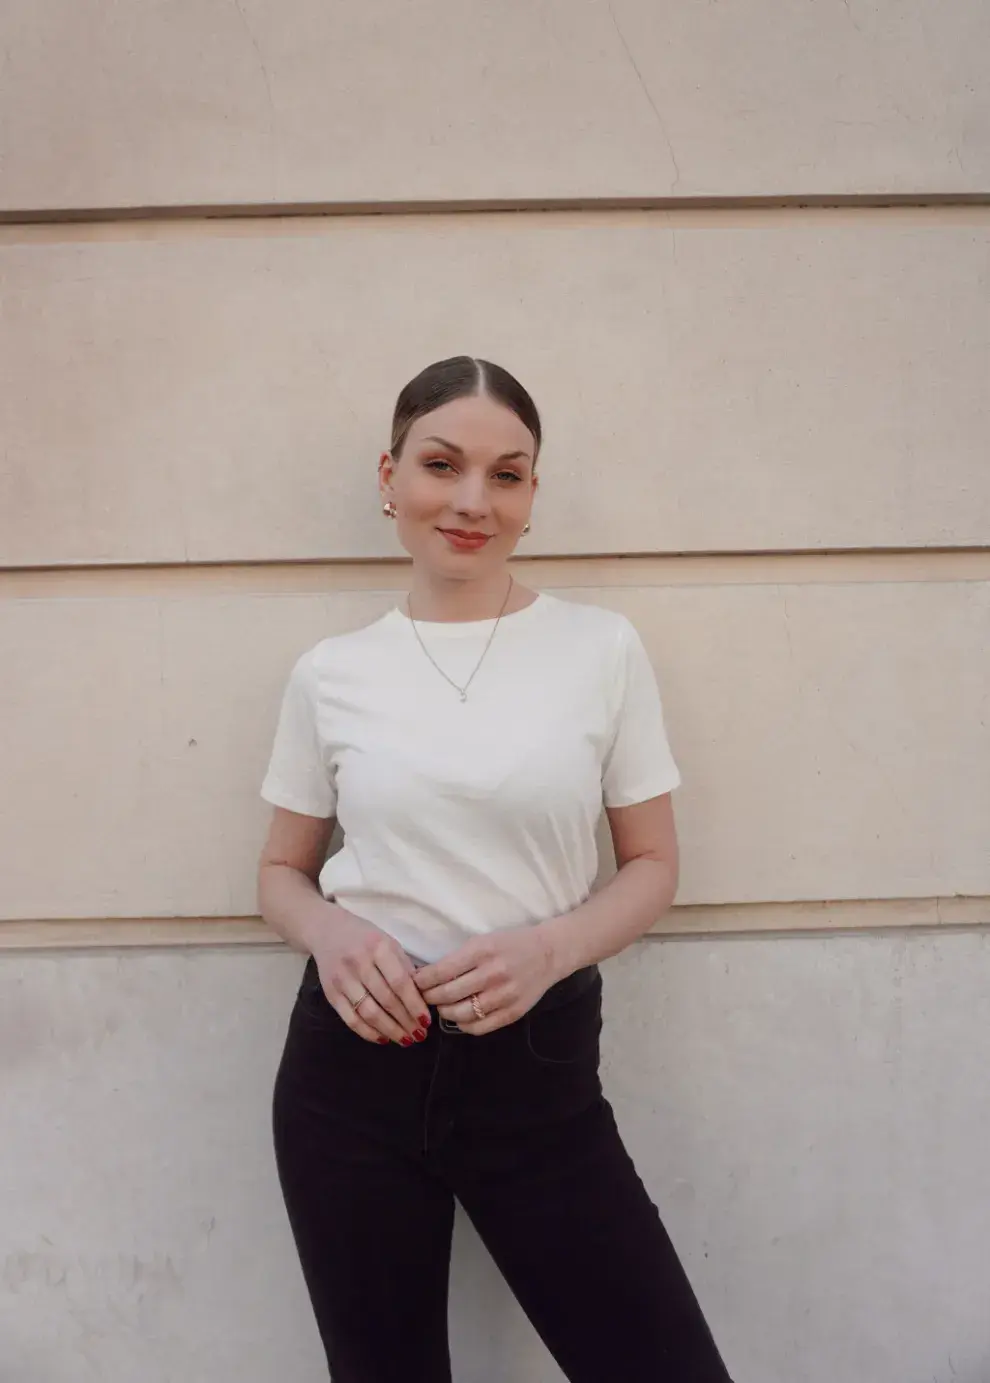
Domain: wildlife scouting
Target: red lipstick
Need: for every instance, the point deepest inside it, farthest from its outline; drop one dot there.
(463, 540)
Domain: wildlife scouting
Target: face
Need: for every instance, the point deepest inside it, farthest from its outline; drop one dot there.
(463, 486)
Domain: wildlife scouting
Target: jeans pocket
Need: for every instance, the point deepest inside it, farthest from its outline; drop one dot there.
(567, 1033)
(311, 1002)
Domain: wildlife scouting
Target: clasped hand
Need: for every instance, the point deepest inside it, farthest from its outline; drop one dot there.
(500, 976)
(483, 985)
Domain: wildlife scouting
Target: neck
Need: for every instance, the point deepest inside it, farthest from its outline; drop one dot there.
(438, 599)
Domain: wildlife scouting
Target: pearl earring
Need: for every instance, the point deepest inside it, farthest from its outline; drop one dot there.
(525, 530)
(388, 509)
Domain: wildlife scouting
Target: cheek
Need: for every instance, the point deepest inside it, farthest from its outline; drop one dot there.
(513, 507)
(420, 498)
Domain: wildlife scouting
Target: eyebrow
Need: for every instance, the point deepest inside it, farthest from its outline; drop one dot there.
(459, 451)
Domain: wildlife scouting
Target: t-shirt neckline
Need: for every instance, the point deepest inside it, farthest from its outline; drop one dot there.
(453, 629)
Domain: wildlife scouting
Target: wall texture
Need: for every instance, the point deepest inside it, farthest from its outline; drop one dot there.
(741, 255)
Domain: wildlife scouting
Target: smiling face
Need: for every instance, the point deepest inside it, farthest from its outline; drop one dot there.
(462, 486)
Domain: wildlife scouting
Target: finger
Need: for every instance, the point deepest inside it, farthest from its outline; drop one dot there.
(385, 997)
(349, 1015)
(443, 971)
(462, 1013)
(501, 1019)
(369, 1011)
(411, 1008)
(479, 1027)
(361, 974)
(466, 1016)
(454, 991)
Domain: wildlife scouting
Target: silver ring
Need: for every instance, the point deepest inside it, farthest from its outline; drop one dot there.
(479, 1012)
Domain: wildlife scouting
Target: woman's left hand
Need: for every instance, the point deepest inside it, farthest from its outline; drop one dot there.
(506, 972)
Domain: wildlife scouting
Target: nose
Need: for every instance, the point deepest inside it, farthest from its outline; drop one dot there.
(471, 498)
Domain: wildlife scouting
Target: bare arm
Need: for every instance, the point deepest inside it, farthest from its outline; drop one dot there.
(354, 958)
(645, 840)
(288, 894)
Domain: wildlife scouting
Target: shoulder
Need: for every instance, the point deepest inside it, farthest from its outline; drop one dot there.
(606, 630)
(342, 651)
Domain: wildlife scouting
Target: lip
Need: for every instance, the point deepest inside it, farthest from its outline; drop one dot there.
(464, 541)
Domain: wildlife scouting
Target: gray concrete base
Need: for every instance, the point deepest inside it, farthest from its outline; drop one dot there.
(811, 1114)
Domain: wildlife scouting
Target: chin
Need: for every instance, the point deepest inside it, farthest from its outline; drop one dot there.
(463, 566)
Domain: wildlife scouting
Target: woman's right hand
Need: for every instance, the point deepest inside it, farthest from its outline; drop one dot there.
(368, 979)
(353, 957)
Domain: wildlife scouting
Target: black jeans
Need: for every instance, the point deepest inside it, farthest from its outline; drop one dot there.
(374, 1143)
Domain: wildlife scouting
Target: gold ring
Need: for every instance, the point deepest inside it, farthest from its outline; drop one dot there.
(366, 995)
(479, 1012)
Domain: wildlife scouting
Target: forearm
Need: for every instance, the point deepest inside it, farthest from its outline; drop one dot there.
(611, 919)
(292, 905)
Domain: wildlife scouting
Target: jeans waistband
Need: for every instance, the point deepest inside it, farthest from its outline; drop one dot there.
(568, 988)
(563, 992)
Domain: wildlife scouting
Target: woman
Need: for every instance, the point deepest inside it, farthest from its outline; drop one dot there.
(444, 1041)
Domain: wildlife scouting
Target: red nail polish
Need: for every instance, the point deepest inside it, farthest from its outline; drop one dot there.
(425, 1019)
(383, 1042)
(419, 1035)
(406, 1042)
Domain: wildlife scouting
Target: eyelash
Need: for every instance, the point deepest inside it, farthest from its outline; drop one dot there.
(438, 461)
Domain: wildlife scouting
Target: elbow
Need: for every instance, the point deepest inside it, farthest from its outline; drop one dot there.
(669, 878)
(666, 874)
(263, 884)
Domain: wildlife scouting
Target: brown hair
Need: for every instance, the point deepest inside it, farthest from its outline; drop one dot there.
(458, 378)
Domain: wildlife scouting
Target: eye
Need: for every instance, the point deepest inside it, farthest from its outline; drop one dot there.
(438, 464)
(510, 476)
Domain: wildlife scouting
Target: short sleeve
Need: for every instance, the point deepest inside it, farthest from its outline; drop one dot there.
(639, 764)
(297, 776)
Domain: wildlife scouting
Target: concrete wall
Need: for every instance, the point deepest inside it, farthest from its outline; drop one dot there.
(807, 1111)
(767, 416)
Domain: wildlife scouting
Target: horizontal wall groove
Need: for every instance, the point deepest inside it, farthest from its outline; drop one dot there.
(270, 210)
(838, 567)
(124, 224)
(935, 915)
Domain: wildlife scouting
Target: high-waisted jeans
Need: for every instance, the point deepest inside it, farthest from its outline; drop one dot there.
(375, 1143)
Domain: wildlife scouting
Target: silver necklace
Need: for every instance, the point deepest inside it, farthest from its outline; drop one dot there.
(461, 691)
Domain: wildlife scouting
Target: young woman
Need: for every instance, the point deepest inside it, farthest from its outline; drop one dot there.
(444, 1041)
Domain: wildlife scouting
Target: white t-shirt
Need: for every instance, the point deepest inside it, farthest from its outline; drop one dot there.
(460, 818)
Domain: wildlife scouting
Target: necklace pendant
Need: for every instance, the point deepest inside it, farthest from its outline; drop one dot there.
(462, 692)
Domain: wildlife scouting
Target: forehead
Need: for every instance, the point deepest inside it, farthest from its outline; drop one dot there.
(475, 424)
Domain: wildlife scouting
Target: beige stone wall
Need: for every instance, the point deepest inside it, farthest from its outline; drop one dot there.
(741, 255)
(251, 102)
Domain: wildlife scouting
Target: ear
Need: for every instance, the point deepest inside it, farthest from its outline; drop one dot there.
(386, 471)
